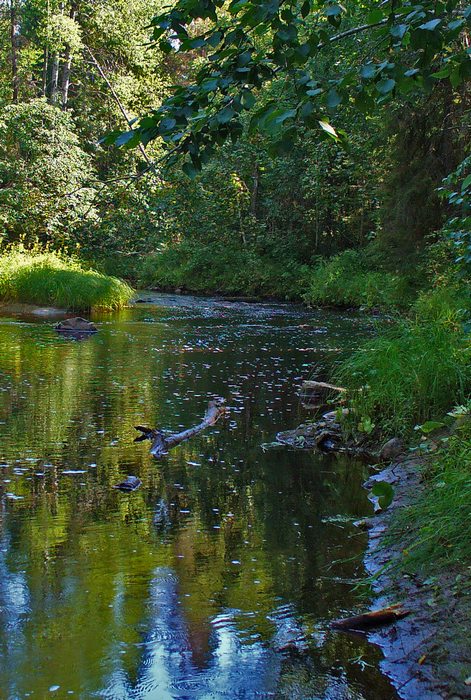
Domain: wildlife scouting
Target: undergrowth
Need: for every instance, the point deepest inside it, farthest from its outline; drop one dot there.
(349, 279)
(49, 278)
(217, 267)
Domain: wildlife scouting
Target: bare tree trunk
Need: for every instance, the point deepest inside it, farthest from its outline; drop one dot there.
(45, 69)
(14, 32)
(54, 78)
(254, 197)
(67, 70)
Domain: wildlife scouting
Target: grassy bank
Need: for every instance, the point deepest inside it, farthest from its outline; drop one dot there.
(436, 527)
(224, 269)
(414, 371)
(349, 279)
(51, 279)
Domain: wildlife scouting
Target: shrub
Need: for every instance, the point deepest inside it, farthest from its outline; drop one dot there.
(222, 268)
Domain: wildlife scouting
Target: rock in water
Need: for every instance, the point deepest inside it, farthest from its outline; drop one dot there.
(391, 449)
(77, 324)
(130, 483)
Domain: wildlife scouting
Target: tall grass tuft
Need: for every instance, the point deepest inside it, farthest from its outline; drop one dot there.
(48, 278)
(414, 372)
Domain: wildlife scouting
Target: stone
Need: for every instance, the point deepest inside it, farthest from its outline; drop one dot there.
(391, 449)
(76, 324)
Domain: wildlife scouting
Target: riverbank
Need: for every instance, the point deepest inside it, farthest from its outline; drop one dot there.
(47, 278)
(426, 654)
(216, 268)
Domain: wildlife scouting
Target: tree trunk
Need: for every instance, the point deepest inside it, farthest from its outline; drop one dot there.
(374, 618)
(54, 78)
(14, 33)
(66, 77)
(254, 197)
(45, 69)
(67, 70)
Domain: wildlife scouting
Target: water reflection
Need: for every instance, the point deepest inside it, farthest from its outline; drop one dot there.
(216, 579)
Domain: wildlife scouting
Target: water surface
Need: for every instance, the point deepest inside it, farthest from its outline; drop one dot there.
(219, 576)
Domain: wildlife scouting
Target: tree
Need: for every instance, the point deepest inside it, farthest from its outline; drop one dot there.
(43, 173)
(250, 43)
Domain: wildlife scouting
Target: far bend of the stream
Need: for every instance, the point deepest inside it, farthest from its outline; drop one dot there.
(219, 576)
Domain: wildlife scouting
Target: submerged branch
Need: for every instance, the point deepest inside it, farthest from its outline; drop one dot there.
(162, 443)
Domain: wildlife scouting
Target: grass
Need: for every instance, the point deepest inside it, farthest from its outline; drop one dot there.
(47, 278)
(217, 267)
(348, 279)
(436, 527)
(413, 372)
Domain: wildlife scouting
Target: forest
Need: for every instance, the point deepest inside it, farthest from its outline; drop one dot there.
(263, 150)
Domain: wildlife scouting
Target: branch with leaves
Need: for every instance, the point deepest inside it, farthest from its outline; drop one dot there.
(249, 43)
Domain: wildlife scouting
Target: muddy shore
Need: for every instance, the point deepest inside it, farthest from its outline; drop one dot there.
(427, 655)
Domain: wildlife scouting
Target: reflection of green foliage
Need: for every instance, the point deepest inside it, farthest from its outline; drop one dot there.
(88, 554)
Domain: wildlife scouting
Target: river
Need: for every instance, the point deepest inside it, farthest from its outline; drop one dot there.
(219, 576)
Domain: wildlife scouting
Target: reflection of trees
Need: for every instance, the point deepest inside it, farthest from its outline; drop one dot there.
(192, 572)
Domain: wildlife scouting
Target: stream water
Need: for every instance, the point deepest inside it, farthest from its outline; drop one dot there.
(219, 576)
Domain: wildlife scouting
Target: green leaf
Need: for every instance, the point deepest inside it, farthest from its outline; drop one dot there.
(305, 8)
(124, 138)
(385, 85)
(189, 170)
(466, 183)
(225, 115)
(247, 99)
(333, 10)
(398, 31)
(430, 426)
(328, 129)
(289, 114)
(430, 26)
(368, 71)
(384, 492)
(333, 99)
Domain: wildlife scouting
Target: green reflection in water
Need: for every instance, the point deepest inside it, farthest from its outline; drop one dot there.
(205, 582)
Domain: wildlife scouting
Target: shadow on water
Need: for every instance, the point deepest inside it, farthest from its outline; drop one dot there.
(218, 578)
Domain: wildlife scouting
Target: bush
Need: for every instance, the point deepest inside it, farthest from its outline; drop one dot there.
(44, 277)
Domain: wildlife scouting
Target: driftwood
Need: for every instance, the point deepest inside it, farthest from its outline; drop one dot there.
(375, 618)
(320, 386)
(162, 443)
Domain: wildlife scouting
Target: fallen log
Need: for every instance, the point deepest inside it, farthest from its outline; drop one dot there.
(374, 618)
(162, 443)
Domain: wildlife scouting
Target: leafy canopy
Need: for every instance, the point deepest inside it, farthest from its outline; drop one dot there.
(248, 43)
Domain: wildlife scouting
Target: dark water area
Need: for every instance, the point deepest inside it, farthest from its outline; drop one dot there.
(219, 576)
